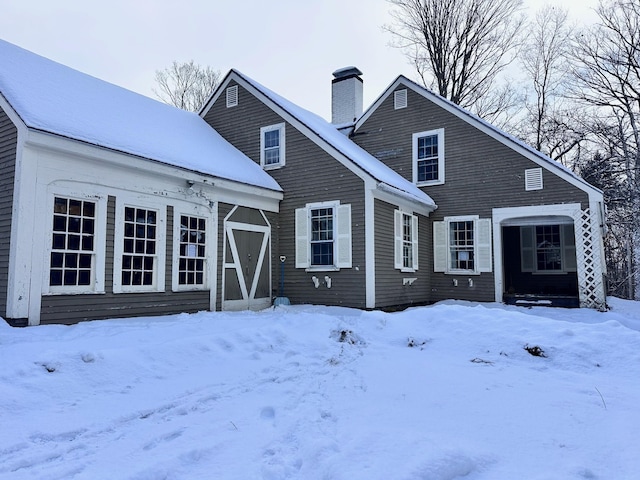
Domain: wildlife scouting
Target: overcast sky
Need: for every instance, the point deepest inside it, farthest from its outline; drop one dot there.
(290, 46)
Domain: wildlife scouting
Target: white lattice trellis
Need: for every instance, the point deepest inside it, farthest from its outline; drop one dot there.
(589, 259)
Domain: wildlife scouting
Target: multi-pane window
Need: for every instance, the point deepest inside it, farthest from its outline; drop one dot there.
(73, 243)
(461, 245)
(272, 145)
(139, 247)
(322, 236)
(428, 157)
(407, 241)
(191, 264)
(548, 248)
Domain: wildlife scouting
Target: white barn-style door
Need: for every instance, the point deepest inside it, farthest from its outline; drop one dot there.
(246, 273)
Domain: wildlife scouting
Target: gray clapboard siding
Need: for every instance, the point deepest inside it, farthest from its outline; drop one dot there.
(481, 173)
(310, 175)
(390, 291)
(68, 309)
(8, 150)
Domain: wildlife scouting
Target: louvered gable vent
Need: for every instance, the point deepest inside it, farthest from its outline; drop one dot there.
(232, 96)
(533, 179)
(400, 99)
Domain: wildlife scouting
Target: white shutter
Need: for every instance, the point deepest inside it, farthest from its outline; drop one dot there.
(343, 243)
(484, 245)
(302, 238)
(569, 253)
(414, 240)
(397, 237)
(439, 247)
(527, 249)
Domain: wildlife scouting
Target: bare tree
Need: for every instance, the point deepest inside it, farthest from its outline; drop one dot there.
(550, 123)
(186, 85)
(459, 47)
(607, 75)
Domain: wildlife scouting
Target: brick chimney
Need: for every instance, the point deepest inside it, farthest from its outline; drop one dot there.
(346, 95)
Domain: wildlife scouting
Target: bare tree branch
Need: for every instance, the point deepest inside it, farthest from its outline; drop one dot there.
(186, 85)
(459, 47)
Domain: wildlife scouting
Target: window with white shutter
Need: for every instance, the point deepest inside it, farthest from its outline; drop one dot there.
(405, 241)
(323, 236)
(462, 245)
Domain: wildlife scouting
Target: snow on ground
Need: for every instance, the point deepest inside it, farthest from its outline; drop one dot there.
(306, 392)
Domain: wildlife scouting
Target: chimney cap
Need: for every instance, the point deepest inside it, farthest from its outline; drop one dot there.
(346, 72)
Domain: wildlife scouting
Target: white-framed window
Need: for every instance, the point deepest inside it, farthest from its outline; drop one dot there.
(191, 234)
(232, 96)
(462, 245)
(548, 249)
(405, 241)
(323, 236)
(428, 157)
(139, 248)
(272, 146)
(77, 245)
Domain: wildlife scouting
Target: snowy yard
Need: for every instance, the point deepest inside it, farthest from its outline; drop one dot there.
(431, 393)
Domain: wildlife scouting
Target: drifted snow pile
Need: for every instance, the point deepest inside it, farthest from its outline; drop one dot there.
(455, 390)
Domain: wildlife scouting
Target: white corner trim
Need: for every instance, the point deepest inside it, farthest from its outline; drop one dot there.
(370, 191)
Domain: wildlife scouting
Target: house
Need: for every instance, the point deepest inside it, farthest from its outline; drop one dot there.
(510, 224)
(113, 204)
(349, 226)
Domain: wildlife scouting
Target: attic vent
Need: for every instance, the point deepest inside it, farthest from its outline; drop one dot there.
(400, 99)
(533, 179)
(232, 96)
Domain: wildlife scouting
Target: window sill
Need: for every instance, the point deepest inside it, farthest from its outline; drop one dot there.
(408, 270)
(190, 288)
(323, 268)
(462, 272)
(429, 183)
(74, 292)
(122, 290)
(273, 166)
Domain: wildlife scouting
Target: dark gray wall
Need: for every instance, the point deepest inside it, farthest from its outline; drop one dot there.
(390, 291)
(310, 175)
(8, 150)
(69, 309)
(480, 174)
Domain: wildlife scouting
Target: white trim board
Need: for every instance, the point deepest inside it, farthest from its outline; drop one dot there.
(501, 214)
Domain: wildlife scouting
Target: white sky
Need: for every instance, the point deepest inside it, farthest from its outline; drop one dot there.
(290, 46)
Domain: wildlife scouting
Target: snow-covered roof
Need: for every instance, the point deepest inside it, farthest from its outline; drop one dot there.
(53, 98)
(495, 132)
(390, 180)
